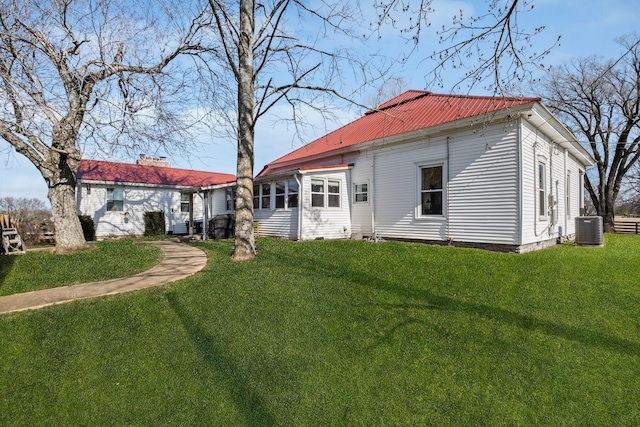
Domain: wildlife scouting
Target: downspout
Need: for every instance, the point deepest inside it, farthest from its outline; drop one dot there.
(520, 183)
(205, 224)
(373, 197)
(448, 216)
(566, 191)
(300, 205)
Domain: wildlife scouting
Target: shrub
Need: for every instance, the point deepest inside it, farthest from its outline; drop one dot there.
(88, 229)
(154, 223)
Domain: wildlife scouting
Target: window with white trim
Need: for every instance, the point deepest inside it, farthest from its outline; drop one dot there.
(361, 193)
(185, 202)
(230, 198)
(431, 190)
(542, 189)
(266, 196)
(292, 193)
(115, 199)
(333, 193)
(317, 193)
(568, 195)
(256, 196)
(281, 190)
(325, 193)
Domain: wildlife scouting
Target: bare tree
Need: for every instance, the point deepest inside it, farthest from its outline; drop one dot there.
(24, 210)
(272, 60)
(78, 75)
(29, 214)
(600, 101)
(492, 47)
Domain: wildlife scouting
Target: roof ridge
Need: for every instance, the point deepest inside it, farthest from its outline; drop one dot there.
(403, 98)
(153, 166)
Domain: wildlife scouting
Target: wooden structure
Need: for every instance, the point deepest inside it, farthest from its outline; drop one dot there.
(12, 243)
(625, 225)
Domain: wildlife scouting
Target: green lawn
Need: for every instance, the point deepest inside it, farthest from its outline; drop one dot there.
(43, 269)
(338, 333)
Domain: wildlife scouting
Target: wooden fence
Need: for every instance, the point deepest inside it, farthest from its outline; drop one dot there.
(625, 225)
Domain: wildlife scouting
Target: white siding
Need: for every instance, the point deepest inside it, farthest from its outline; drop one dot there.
(483, 186)
(137, 201)
(395, 191)
(274, 222)
(328, 223)
(538, 148)
(277, 222)
(361, 213)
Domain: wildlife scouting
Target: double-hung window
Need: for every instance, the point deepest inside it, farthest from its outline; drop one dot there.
(292, 193)
(115, 199)
(333, 194)
(317, 193)
(266, 196)
(361, 193)
(281, 189)
(568, 191)
(542, 190)
(325, 193)
(431, 190)
(230, 197)
(262, 196)
(185, 202)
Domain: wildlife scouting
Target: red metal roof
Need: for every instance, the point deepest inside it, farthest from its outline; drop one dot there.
(96, 170)
(410, 111)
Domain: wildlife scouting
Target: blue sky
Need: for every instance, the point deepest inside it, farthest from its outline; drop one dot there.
(586, 27)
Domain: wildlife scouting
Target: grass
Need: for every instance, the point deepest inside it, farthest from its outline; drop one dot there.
(343, 333)
(44, 269)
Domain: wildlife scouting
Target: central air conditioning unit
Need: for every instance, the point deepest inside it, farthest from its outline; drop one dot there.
(589, 231)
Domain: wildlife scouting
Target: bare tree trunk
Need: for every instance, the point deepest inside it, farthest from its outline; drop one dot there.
(245, 247)
(68, 229)
(61, 180)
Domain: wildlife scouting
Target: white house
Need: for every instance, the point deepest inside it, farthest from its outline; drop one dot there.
(499, 173)
(117, 195)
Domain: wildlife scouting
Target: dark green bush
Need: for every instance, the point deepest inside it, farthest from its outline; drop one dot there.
(88, 228)
(154, 223)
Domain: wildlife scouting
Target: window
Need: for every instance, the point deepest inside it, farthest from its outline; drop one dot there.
(542, 190)
(115, 199)
(292, 193)
(317, 193)
(185, 202)
(256, 197)
(266, 196)
(325, 193)
(230, 197)
(361, 194)
(333, 194)
(431, 190)
(281, 189)
(568, 191)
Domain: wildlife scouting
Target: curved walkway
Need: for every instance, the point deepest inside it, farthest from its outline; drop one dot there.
(178, 261)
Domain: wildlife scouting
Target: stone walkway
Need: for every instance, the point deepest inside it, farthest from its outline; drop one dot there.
(178, 261)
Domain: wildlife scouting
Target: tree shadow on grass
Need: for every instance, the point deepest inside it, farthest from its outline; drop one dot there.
(248, 403)
(415, 297)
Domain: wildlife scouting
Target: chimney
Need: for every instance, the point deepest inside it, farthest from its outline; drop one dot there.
(153, 161)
